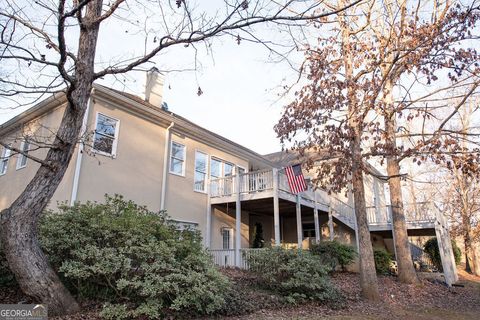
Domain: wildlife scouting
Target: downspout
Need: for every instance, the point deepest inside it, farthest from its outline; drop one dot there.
(78, 163)
(165, 166)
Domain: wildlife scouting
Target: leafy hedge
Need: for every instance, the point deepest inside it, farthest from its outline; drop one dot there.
(295, 274)
(383, 260)
(133, 260)
(431, 248)
(334, 253)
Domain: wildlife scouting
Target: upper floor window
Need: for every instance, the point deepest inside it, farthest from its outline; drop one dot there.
(200, 179)
(22, 157)
(4, 160)
(106, 134)
(177, 158)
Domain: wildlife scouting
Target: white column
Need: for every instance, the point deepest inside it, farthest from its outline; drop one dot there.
(299, 223)
(238, 222)
(208, 233)
(446, 251)
(315, 218)
(330, 222)
(276, 209)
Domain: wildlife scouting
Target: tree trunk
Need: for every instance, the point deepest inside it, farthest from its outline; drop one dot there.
(406, 270)
(368, 275)
(19, 222)
(471, 262)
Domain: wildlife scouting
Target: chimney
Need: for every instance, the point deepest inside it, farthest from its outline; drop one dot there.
(154, 87)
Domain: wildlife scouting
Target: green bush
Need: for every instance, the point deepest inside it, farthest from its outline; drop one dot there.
(431, 248)
(295, 274)
(334, 253)
(133, 260)
(383, 261)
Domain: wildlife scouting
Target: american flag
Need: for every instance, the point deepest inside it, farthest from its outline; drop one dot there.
(295, 178)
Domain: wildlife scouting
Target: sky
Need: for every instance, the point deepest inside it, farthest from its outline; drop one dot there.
(240, 84)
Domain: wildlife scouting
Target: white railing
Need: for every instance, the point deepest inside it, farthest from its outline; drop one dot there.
(223, 257)
(343, 211)
(256, 181)
(420, 212)
(226, 257)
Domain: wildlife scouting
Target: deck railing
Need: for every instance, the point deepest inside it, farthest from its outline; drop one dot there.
(226, 257)
(262, 180)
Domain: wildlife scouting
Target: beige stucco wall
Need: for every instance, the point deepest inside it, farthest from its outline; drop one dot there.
(223, 219)
(14, 181)
(136, 171)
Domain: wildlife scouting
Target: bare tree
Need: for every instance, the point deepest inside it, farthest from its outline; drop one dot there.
(51, 48)
(363, 91)
(426, 48)
(329, 114)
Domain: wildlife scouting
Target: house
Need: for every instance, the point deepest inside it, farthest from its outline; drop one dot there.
(138, 148)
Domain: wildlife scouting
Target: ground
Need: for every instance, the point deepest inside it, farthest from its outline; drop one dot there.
(428, 300)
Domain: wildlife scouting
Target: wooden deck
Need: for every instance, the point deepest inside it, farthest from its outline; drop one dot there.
(268, 184)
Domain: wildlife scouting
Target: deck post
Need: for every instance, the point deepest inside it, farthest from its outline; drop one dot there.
(390, 216)
(238, 223)
(446, 251)
(315, 218)
(299, 223)
(208, 233)
(330, 222)
(276, 207)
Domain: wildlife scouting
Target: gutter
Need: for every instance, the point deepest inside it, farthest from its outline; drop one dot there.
(78, 163)
(165, 165)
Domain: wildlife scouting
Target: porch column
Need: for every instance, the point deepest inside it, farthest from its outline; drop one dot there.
(330, 222)
(315, 218)
(238, 222)
(299, 224)
(208, 233)
(446, 251)
(276, 209)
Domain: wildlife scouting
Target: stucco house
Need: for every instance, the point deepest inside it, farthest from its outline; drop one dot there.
(137, 148)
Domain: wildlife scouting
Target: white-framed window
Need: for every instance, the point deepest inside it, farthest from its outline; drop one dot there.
(105, 137)
(22, 158)
(177, 158)
(6, 152)
(216, 170)
(227, 236)
(201, 165)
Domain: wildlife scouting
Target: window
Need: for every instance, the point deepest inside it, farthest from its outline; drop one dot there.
(200, 179)
(227, 238)
(105, 136)
(177, 159)
(4, 160)
(215, 168)
(22, 158)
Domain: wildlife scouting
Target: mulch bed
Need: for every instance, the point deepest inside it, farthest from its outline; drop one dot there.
(397, 299)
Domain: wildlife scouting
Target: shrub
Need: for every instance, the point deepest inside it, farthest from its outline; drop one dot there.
(431, 248)
(334, 253)
(383, 261)
(295, 274)
(133, 260)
